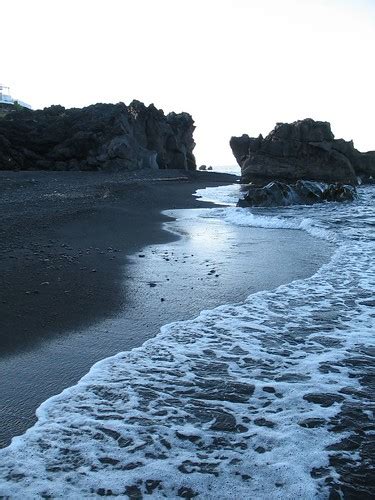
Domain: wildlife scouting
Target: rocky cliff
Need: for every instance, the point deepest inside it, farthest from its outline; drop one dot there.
(98, 137)
(304, 149)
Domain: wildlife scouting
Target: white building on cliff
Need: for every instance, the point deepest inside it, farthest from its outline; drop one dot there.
(7, 100)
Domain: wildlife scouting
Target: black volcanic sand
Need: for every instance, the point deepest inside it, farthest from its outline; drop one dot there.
(88, 270)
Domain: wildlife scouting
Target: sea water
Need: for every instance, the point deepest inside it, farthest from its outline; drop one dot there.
(269, 398)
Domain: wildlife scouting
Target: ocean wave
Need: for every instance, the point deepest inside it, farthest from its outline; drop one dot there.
(268, 398)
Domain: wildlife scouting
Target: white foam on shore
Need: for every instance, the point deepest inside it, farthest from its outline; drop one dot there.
(237, 402)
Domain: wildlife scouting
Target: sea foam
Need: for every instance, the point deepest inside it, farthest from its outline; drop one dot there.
(252, 400)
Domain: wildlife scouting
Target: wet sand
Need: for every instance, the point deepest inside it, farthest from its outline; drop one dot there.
(89, 269)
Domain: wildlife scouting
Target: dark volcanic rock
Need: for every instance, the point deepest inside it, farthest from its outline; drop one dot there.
(304, 149)
(277, 194)
(98, 137)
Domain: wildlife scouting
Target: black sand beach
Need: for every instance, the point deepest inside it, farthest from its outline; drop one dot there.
(87, 270)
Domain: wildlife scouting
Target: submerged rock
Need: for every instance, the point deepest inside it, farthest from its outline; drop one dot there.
(98, 137)
(301, 193)
(304, 149)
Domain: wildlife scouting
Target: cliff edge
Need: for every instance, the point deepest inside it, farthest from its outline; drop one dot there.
(109, 137)
(302, 150)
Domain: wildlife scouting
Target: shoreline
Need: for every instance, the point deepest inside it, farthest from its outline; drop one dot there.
(64, 239)
(54, 362)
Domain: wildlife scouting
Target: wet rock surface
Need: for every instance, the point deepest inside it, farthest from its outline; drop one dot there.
(107, 137)
(304, 149)
(301, 193)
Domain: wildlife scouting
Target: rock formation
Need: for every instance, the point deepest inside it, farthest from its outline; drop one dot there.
(276, 194)
(304, 149)
(98, 137)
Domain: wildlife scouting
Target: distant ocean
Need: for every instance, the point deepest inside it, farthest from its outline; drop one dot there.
(269, 398)
(228, 169)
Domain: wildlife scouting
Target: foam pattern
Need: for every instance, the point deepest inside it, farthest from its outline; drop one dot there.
(266, 399)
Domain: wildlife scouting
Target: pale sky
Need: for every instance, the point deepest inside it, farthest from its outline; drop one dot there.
(238, 66)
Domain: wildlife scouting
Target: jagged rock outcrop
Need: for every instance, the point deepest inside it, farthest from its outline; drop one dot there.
(98, 137)
(304, 149)
(276, 194)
